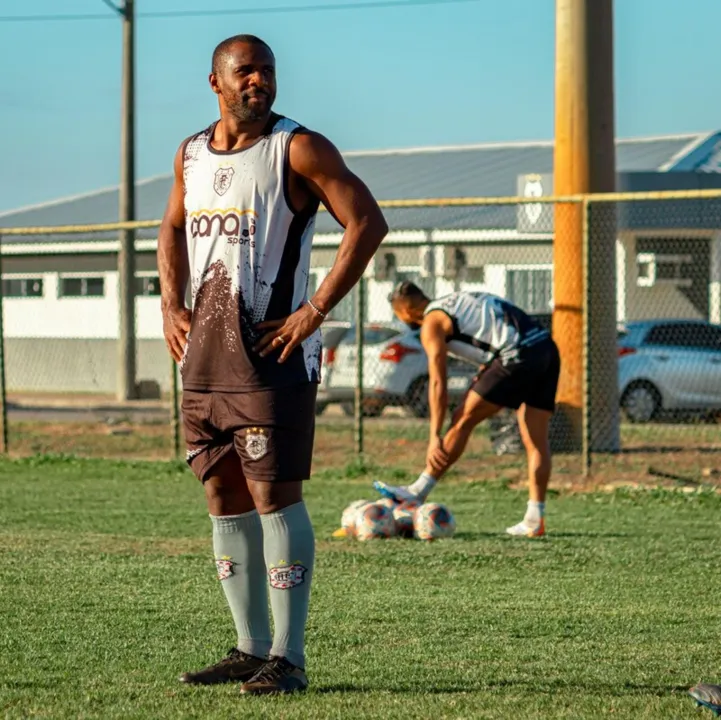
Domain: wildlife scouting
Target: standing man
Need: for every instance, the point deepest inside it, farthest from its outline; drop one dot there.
(238, 230)
(520, 371)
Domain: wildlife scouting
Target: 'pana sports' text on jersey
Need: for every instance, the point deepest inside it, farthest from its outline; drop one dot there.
(249, 256)
(486, 327)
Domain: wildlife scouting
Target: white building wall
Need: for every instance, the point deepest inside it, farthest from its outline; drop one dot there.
(97, 317)
(149, 320)
(715, 284)
(624, 250)
(52, 316)
(57, 317)
(662, 300)
(494, 281)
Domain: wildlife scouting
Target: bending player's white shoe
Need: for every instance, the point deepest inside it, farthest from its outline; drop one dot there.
(397, 493)
(527, 529)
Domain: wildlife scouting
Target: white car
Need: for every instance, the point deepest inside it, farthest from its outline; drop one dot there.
(669, 365)
(395, 371)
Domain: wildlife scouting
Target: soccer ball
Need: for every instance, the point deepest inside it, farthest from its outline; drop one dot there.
(403, 515)
(433, 521)
(387, 502)
(348, 518)
(374, 521)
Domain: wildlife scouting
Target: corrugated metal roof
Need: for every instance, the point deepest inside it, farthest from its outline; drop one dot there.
(473, 170)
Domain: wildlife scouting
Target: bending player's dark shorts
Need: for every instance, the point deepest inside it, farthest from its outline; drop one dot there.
(530, 378)
(272, 431)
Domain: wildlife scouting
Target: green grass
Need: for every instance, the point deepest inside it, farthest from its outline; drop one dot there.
(107, 593)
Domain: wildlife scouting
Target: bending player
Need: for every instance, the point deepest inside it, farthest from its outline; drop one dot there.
(520, 370)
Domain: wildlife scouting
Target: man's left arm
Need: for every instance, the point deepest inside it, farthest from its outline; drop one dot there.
(319, 163)
(434, 332)
(350, 202)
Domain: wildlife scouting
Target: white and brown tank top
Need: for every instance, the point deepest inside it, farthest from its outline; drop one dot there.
(249, 257)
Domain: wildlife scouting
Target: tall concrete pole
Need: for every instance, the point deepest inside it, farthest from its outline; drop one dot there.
(584, 162)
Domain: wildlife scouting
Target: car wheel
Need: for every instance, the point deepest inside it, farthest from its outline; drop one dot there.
(320, 408)
(417, 398)
(641, 402)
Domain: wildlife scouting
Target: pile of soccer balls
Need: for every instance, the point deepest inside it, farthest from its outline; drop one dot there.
(366, 520)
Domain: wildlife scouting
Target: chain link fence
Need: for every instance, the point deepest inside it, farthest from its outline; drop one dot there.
(62, 359)
(630, 287)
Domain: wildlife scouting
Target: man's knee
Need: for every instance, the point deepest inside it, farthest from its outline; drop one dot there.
(475, 414)
(538, 457)
(226, 499)
(274, 496)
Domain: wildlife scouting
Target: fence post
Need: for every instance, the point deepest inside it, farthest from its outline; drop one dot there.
(175, 409)
(3, 389)
(358, 404)
(586, 367)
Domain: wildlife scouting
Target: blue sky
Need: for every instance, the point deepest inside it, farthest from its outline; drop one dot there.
(381, 78)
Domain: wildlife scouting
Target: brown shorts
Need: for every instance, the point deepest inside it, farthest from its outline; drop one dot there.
(272, 431)
(531, 379)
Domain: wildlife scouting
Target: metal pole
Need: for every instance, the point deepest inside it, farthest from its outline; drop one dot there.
(126, 256)
(3, 390)
(175, 409)
(602, 398)
(586, 415)
(358, 404)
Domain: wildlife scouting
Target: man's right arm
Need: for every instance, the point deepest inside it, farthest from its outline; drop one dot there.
(173, 267)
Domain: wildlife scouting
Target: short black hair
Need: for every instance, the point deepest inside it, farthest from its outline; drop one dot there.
(223, 48)
(406, 290)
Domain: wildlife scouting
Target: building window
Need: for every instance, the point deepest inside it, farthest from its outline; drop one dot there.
(147, 286)
(82, 287)
(22, 287)
(531, 289)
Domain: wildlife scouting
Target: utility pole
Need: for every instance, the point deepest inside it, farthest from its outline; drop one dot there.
(584, 162)
(126, 389)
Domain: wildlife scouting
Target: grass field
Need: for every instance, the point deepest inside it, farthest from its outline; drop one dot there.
(107, 593)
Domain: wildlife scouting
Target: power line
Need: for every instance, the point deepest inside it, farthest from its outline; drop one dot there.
(278, 10)
(112, 6)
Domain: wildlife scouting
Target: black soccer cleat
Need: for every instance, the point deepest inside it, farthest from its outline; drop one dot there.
(236, 666)
(277, 676)
(707, 695)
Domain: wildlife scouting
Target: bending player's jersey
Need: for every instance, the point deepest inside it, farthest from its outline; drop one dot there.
(486, 326)
(249, 256)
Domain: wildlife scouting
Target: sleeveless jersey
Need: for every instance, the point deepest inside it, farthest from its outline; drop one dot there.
(249, 257)
(486, 327)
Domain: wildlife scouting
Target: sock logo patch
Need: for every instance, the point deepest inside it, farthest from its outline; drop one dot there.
(224, 566)
(256, 443)
(285, 576)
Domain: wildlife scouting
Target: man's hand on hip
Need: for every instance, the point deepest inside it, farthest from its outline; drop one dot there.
(288, 333)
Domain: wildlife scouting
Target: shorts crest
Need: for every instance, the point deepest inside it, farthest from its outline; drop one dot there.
(256, 443)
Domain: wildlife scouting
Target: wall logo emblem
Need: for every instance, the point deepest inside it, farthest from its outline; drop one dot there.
(256, 443)
(223, 178)
(533, 188)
